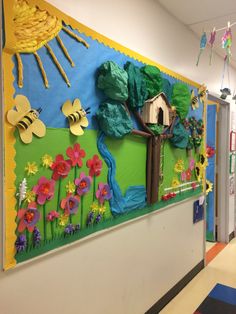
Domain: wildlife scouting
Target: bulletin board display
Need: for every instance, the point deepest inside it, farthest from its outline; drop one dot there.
(95, 134)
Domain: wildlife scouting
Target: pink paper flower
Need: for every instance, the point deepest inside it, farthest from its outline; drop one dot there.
(83, 184)
(28, 217)
(70, 204)
(183, 176)
(60, 167)
(94, 165)
(191, 164)
(103, 193)
(76, 154)
(52, 215)
(44, 190)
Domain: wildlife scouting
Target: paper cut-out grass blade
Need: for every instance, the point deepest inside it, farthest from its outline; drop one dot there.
(76, 116)
(26, 119)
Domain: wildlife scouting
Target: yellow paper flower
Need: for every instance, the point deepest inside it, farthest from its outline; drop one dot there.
(30, 196)
(63, 220)
(175, 183)
(70, 187)
(209, 187)
(179, 166)
(94, 207)
(102, 209)
(47, 160)
(31, 168)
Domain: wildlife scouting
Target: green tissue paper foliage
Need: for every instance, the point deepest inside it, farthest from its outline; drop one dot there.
(114, 120)
(137, 86)
(113, 80)
(181, 99)
(153, 79)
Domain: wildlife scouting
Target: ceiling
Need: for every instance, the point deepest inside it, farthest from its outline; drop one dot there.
(202, 15)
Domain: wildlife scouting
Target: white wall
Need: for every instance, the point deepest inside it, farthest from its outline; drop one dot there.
(126, 270)
(145, 27)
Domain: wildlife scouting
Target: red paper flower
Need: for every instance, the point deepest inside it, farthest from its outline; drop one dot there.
(28, 217)
(188, 173)
(194, 185)
(94, 165)
(44, 190)
(76, 154)
(60, 167)
(210, 151)
(52, 215)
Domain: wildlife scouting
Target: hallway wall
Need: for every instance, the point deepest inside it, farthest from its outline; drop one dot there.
(129, 268)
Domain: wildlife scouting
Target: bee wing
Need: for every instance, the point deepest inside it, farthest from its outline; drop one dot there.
(76, 129)
(192, 94)
(67, 108)
(38, 128)
(26, 135)
(13, 117)
(77, 105)
(84, 122)
(22, 104)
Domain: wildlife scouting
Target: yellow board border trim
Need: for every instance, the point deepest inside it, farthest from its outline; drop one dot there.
(9, 188)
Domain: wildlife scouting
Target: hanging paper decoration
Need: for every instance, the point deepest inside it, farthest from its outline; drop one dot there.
(212, 41)
(203, 43)
(227, 43)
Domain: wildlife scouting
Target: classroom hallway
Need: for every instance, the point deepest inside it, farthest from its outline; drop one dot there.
(221, 270)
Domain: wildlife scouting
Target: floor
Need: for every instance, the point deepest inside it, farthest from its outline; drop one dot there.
(209, 245)
(222, 269)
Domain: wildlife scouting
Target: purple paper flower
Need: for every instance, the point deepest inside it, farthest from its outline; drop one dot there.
(83, 184)
(36, 236)
(28, 217)
(90, 218)
(103, 193)
(98, 218)
(21, 243)
(69, 229)
(70, 204)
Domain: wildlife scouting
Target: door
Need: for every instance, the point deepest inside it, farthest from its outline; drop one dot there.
(211, 182)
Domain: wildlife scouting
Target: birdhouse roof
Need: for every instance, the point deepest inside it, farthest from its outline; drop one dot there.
(151, 100)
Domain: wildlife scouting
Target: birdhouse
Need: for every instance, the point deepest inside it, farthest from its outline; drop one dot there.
(157, 111)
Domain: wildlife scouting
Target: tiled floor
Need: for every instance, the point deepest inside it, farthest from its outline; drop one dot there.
(222, 269)
(209, 245)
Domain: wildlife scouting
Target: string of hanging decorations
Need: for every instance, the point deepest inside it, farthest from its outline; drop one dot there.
(226, 43)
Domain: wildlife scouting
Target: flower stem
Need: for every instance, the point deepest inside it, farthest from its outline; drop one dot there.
(82, 212)
(70, 219)
(75, 171)
(52, 229)
(27, 239)
(58, 196)
(44, 222)
(94, 187)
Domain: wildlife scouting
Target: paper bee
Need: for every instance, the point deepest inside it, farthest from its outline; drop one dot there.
(76, 116)
(194, 101)
(26, 119)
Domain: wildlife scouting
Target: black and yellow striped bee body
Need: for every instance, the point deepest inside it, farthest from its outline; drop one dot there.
(28, 119)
